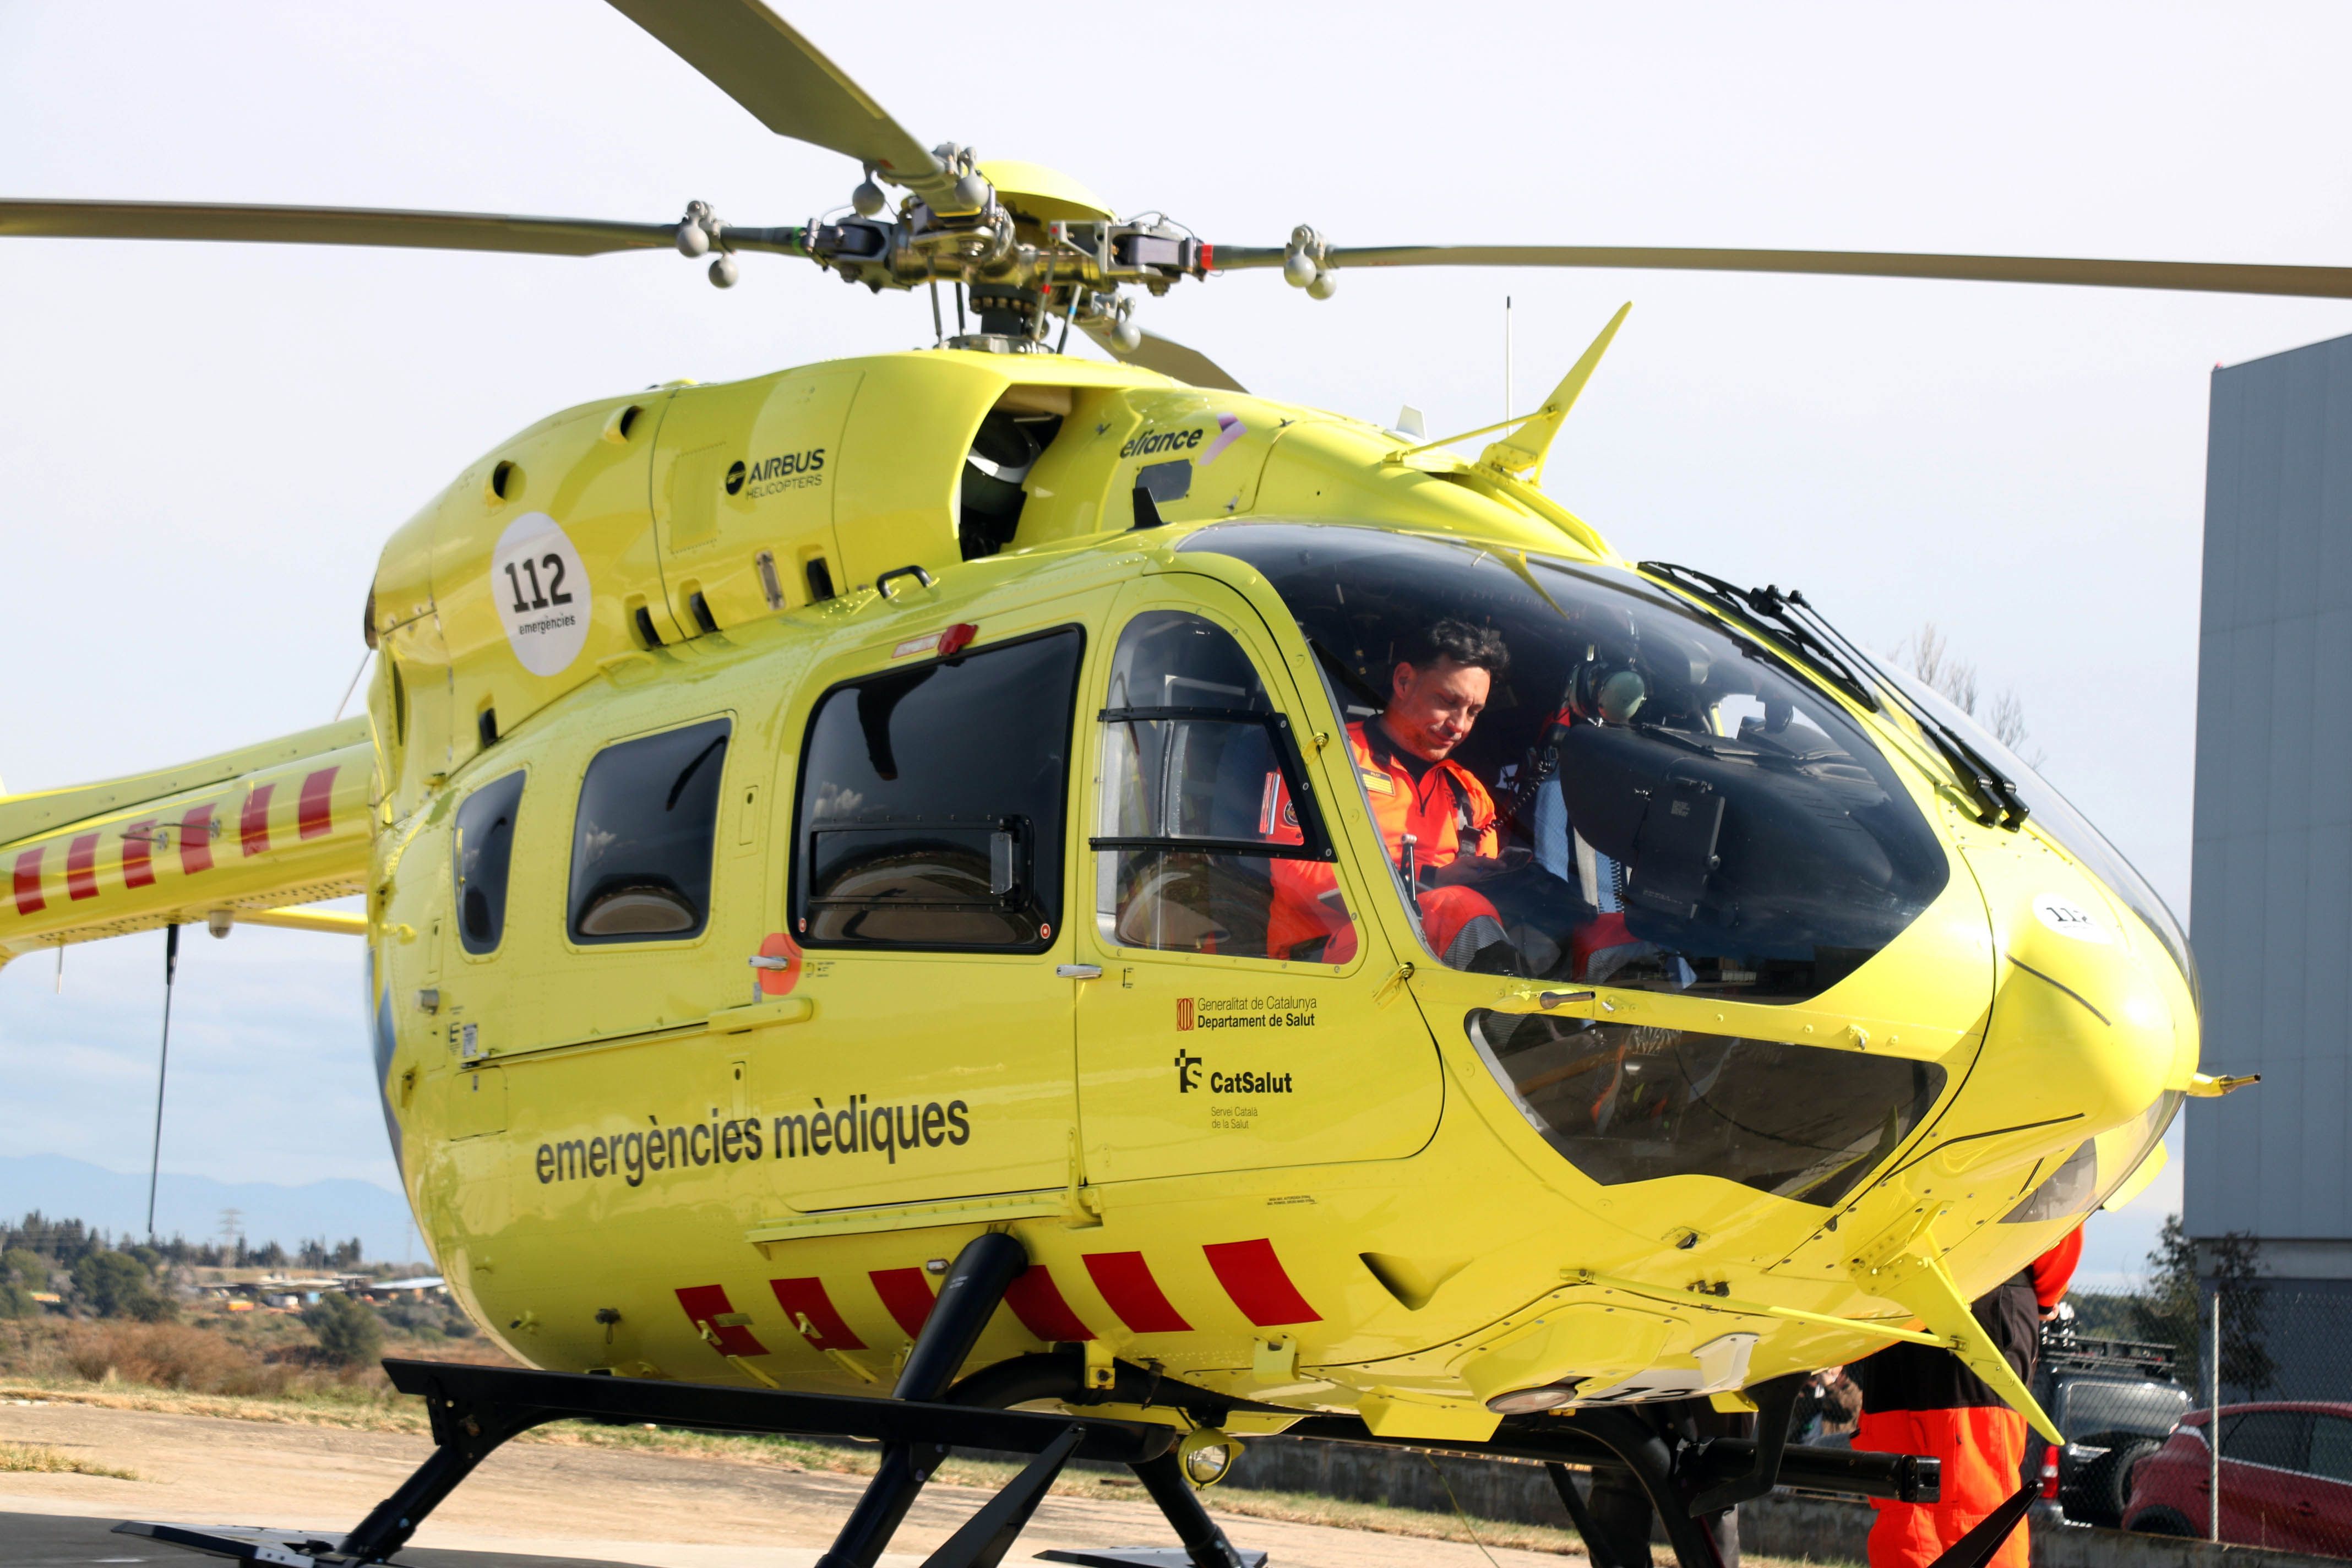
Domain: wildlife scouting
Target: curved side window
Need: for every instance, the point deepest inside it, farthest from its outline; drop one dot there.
(2084, 1181)
(641, 842)
(481, 854)
(1578, 778)
(1626, 1102)
(2069, 1189)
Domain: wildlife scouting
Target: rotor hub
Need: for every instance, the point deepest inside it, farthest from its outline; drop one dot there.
(1007, 309)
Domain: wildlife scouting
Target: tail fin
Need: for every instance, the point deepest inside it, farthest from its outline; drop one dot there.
(284, 822)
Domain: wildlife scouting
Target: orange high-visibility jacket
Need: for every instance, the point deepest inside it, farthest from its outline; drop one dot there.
(1449, 813)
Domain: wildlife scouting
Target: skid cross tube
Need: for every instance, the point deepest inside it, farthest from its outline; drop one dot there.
(982, 1540)
(974, 1287)
(465, 1431)
(474, 1409)
(1558, 1440)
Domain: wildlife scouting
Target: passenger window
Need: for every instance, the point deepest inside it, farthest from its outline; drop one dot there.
(2279, 1440)
(2331, 1447)
(1210, 842)
(932, 802)
(481, 853)
(641, 843)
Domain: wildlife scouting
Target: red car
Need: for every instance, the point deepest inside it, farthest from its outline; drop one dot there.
(2286, 1478)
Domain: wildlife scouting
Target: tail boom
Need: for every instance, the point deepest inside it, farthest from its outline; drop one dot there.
(286, 822)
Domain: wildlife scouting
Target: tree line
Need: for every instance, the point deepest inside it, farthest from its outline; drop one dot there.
(66, 1241)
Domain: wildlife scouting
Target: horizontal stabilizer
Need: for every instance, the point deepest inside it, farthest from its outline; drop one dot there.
(284, 822)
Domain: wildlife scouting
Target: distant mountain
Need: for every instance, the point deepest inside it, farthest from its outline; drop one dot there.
(191, 1206)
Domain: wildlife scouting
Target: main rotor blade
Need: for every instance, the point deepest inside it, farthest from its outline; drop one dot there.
(2194, 277)
(329, 226)
(759, 60)
(1169, 358)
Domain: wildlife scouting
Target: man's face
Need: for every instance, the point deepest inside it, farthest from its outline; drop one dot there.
(1431, 711)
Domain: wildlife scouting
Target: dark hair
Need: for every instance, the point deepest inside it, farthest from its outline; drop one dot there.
(1479, 646)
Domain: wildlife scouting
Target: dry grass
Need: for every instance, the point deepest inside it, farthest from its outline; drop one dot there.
(251, 1367)
(41, 1459)
(357, 1412)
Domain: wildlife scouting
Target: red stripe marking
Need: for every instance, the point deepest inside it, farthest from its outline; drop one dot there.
(704, 1302)
(81, 866)
(138, 855)
(28, 883)
(1253, 1276)
(908, 1295)
(318, 800)
(253, 821)
(1126, 1282)
(807, 1298)
(196, 840)
(1038, 1304)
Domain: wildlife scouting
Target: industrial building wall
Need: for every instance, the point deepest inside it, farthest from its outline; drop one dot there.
(2270, 911)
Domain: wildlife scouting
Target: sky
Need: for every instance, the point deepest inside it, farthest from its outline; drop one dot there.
(202, 448)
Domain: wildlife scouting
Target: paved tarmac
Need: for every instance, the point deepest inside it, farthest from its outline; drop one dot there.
(73, 1541)
(545, 1505)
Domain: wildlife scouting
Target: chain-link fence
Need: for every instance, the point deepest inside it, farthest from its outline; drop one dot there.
(2276, 1471)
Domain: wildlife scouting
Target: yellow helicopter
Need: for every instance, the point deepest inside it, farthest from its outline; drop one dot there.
(909, 868)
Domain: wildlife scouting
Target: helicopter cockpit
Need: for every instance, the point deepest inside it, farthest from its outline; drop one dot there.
(1678, 809)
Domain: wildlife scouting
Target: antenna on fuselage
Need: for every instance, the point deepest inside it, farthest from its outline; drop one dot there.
(1507, 399)
(163, 1064)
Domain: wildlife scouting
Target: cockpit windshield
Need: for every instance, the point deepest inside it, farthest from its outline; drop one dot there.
(1580, 777)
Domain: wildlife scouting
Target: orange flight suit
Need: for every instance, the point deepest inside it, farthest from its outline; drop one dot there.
(1919, 1400)
(1448, 813)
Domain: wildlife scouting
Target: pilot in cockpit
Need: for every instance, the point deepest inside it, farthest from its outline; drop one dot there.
(1436, 819)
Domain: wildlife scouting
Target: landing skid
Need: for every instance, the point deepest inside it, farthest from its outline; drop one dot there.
(474, 1409)
(1139, 1557)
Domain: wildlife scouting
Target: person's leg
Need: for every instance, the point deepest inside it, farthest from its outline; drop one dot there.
(1459, 921)
(1621, 1510)
(2002, 1435)
(1725, 1528)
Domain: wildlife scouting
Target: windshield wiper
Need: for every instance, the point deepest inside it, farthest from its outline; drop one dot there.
(1757, 605)
(1990, 791)
(1993, 792)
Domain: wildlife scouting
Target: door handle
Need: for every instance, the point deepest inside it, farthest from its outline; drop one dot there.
(1078, 971)
(761, 1014)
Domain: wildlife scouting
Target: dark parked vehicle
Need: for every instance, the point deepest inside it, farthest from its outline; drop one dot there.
(2117, 1403)
(2286, 1478)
